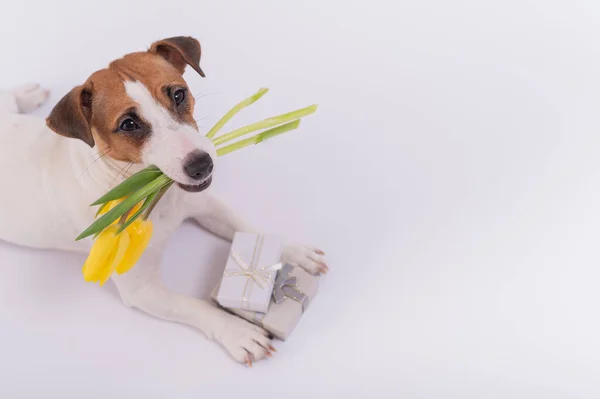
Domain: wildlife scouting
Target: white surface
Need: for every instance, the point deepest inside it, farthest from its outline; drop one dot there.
(451, 173)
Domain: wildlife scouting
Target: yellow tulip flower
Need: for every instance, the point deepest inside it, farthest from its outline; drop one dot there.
(116, 252)
(140, 233)
(107, 253)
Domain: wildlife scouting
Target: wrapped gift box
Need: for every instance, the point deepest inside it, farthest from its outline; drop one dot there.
(293, 291)
(250, 272)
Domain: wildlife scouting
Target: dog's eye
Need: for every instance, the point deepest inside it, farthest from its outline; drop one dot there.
(129, 125)
(178, 96)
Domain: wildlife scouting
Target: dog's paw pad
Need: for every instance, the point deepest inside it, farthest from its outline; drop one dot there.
(309, 259)
(245, 342)
(30, 97)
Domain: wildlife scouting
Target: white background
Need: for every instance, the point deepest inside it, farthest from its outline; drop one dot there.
(451, 173)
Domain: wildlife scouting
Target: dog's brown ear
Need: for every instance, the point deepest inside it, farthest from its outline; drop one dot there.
(71, 116)
(179, 51)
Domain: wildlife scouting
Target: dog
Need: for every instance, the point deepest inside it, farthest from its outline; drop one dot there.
(136, 112)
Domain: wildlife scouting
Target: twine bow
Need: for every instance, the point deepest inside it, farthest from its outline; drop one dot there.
(260, 276)
(286, 286)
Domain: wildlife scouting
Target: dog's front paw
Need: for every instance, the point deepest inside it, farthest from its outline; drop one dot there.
(30, 97)
(309, 259)
(244, 341)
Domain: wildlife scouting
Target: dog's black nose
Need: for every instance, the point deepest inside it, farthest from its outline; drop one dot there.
(198, 165)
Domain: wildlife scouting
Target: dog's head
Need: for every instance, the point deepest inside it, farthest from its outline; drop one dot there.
(140, 110)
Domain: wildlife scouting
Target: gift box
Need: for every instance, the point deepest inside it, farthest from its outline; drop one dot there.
(250, 272)
(293, 291)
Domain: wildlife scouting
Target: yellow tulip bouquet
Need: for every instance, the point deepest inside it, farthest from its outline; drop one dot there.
(122, 229)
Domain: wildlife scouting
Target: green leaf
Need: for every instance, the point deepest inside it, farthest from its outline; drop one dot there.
(105, 220)
(267, 134)
(264, 124)
(101, 208)
(134, 183)
(249, 101)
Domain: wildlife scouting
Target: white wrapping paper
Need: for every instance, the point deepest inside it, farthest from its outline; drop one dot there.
(250, 271)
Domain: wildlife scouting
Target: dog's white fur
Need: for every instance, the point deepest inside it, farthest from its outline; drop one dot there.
(49, 181)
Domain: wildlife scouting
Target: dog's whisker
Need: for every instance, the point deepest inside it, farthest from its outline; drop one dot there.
(93, 156)
(102, 153)
(100, 156)
(202, 95)
(124, 174)
(202, 118)
(123, 171)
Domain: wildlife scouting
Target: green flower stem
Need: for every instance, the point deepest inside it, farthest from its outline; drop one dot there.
(267, 134)
(249, 101)
(124, 216)
(158, 197)
(267, 123)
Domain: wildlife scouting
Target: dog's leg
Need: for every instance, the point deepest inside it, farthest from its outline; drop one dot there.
(23, 99)
(142, 288)
(216, 217)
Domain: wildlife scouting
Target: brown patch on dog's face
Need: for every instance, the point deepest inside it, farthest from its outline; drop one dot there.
(100, 111)
(117, 124)
(110, 107)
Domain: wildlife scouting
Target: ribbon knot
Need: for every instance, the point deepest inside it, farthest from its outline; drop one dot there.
(286, 286)
(260, 276)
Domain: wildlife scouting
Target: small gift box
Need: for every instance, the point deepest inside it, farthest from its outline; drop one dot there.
(250, 272)
(293, 291)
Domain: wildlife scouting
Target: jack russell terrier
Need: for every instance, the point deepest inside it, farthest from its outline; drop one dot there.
(137, 112)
